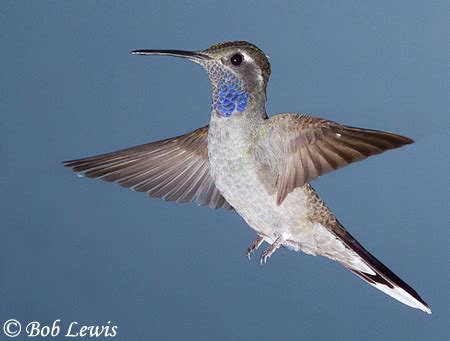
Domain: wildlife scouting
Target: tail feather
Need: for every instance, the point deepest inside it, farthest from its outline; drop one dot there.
(399, 290)
(382, 278)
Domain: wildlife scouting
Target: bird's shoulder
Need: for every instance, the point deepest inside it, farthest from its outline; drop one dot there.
(298, 148)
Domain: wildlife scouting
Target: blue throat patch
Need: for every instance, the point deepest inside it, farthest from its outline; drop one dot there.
(230, 98)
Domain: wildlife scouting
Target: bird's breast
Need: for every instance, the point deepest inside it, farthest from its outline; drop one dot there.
(231, 163)
(238, 177)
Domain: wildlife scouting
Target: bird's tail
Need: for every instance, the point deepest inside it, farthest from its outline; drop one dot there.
(382, 278)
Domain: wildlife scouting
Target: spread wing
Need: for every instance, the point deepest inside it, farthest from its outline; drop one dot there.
(294, 149)
(176, 169)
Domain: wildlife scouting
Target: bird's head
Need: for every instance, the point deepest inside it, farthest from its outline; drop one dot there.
(238, 71)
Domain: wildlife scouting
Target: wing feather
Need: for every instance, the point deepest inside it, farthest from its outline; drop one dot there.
(176, 169)
(297, 149)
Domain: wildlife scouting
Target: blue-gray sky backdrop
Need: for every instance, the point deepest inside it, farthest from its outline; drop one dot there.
(89, 251)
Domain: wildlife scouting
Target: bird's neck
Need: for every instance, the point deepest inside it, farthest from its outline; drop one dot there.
(237, 129)
(229, 101)
(231, 97)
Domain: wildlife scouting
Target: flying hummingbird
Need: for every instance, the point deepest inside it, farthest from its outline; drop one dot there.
(258, 166)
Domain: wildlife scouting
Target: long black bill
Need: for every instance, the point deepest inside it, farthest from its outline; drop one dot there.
(194, 56)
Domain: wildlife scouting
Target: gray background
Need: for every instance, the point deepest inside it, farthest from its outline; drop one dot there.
(88, 251)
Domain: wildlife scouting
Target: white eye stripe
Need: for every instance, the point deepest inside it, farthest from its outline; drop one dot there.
(247, 58)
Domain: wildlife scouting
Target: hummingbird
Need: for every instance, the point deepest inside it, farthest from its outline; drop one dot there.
(258, 166)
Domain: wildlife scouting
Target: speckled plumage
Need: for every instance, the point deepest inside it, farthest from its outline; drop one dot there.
(258, 166)
(301, 220)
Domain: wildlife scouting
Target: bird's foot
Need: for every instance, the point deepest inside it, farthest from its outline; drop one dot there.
(270, 251)
(254, 246)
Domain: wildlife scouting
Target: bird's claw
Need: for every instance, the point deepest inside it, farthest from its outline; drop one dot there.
(266, 254)
(254, 246)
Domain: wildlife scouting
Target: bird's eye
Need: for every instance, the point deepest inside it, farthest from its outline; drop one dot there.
(236, 59)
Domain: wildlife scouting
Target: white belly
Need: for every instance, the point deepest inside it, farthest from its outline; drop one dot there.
(236, 176)
(238, 179)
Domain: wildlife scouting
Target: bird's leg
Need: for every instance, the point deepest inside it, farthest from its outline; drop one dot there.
(270, 250)
(254, 246)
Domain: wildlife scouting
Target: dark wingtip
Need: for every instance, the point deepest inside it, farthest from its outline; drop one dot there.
(69, 163)
(406, 140)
